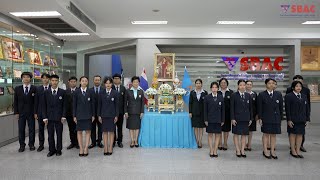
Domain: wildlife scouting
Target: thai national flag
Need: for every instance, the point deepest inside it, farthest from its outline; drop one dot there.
(144, 83)
(187, 85)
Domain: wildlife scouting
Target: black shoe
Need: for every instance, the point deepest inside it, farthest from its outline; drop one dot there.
(268, 157)
(120, 145)
(131, 146)
(32, 148)
(85, 155)
(80, 155)
(246, 149)
(51, 154)
(110, 153)
(249, 149)
(106, 154)
(59, 153)
(215, 155)
(295, 156)
(92, 146)
(211, 155)
(224, 148)
(238, 155)
(300, 156)
(70, 146)
(100, 145)
(220, 148)
(274, 157)
(77, 146)
(40, 148)
(136, 145)
(269, 149)
(21, 149)
(199, 147)
(243, 155)
(303, 149)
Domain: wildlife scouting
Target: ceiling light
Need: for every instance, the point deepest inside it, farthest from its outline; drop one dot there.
(71, 34)
(235, 22)
(149, 22)
(36, 14)
(311, 22)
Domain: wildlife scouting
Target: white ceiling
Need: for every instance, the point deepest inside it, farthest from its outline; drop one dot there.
(187, 18)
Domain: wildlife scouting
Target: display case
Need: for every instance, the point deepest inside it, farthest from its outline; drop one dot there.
(22, 51)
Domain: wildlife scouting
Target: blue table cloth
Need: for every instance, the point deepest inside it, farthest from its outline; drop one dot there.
(166, 131)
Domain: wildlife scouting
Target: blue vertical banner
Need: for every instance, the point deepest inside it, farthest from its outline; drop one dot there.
(187, 85)
(116, 64)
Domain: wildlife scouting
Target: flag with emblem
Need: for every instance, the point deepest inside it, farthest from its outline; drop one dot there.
(144, 83)
(187, 85)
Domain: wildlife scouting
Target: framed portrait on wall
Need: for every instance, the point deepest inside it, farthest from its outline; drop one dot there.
(1, 51)
(36, 73)
(46, 61)
(12, 49)
(310, 60)
(35, 57)
(1, 72)
(164, 66)
(53, 62)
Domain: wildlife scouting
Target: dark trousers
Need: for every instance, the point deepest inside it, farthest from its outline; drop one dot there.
(55, 126)
(118, 129)
(41, 130)
(72, 131)
(23, 120)
(94, 139)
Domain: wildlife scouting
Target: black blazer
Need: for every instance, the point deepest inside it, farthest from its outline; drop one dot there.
(108, 105)
(227, 98)
(69, 99)
(83, 106)
(54, 106)
(132, 105)
(121, 95)
(24, 104)
(196, 106)
(95, 99)
(214, 111)
(254, 100)
(305, 91)
(39, 100)
(297, 109)
(241, 109)
(270, 110)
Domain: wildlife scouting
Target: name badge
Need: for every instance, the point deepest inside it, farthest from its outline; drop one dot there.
(277, 101)
(254, 99)
(202, 97)
(139, 96)
(219, 103)
(112, 99)
(248, 101)
(228, 97)
(122, 93)
(60, 97)
(88, 99)
(32, 94)
(305, 102)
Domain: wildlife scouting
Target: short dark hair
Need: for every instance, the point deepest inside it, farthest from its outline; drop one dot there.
(45, 75)
(54, 76)
(240, 81)
(224, 79)
(135, 78)
(95, 77)
(197, 81)
(73, 78)
(116, 75)
(26, 74)
(269, 79)
(107, 79)
(294, 83)
(249, 81)
(297, 77)
(214, 83)
(83, 77)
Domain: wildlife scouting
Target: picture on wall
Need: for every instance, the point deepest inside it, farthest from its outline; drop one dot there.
(1, 72)
(1, 52)
(1, 91)
(46, 61)
(12, 49)
(36, 73)
(17, 73)
(35, 57)
(310, 60)
(164, 66)
(53, 62)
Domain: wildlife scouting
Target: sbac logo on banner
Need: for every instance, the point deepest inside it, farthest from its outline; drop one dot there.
(230, 62)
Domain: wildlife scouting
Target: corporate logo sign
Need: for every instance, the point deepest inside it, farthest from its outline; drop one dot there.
(298, 10)
(254, 63)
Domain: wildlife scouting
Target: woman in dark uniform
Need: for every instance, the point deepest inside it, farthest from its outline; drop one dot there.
(83, 107)
(226, 128)
(298, 116)
(241, 117)
(196, 110)
(253, 126)
(108, 111)
(214, 117)
(134, 109)
(270, 111)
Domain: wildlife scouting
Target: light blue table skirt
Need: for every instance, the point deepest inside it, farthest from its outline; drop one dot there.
(166, 131)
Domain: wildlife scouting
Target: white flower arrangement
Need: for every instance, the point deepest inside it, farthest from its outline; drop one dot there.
(179, 91)
(151, 91)
(165, 87)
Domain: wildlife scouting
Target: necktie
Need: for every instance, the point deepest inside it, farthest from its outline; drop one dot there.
(26, 91)
(83, 93)
(118, 88)
(46, 88)
(97, 91)
(54, 92)
(299, 96)
(72, 91)
(108, 93)
(214, 98)
(270, 95)
(242, 96)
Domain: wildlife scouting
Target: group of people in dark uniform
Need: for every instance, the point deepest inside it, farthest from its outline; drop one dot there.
(98, 111)
(223, 110)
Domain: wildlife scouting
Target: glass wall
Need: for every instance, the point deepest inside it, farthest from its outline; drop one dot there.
(22, 51)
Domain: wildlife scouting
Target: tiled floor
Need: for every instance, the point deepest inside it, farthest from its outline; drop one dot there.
(163, 164)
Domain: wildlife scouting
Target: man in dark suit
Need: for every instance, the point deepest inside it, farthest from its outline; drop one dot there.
(305, 91)
(121, 92)
(69, 113)
(96, 90)
(39, 103)
(24, 98)
(54, 112)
